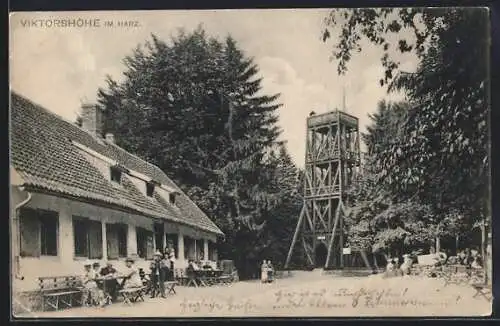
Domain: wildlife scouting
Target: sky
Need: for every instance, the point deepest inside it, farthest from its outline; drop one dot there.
(61, 67)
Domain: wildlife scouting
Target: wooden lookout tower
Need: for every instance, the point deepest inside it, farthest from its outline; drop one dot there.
(331, 162)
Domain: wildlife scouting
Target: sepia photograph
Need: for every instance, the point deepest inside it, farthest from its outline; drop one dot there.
(250, 163)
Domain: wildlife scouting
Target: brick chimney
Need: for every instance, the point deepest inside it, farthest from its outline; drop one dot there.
(110, 138)
(92, 119)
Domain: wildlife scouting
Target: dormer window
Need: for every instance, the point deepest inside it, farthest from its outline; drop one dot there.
(116, 173)
(150, 189)
(171, 198)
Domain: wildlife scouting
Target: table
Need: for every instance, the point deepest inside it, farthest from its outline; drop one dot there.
(102, 280)
(204, 277)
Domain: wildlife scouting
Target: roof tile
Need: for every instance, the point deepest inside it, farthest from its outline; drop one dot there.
(42, 153)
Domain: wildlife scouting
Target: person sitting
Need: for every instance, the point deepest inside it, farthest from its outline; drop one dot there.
(194, 265)
(467, 257)
(96, 266)
(110, 283)
(476, 264)
(91, 294)
(132, 278)
(389, 268)
(406, 265)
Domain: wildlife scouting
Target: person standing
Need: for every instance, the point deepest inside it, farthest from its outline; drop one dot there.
(158, 270)
(170, 255)
(270, 272)
(263, 272)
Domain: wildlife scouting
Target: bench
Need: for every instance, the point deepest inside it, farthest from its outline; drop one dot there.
(132, 294)
(455, 274)
(56, 290)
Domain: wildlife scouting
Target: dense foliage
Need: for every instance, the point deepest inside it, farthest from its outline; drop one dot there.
(437, 156)
(194, 107)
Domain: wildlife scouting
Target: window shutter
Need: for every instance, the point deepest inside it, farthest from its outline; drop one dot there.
(112, 241)
(48, 228)
(149, 245)
(30, 233)
(95, 240)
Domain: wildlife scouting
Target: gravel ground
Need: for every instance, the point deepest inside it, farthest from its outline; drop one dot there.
(304, 294)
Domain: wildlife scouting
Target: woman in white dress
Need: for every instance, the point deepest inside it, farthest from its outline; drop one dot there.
(263, 272)
(132, 277)
(91, 291)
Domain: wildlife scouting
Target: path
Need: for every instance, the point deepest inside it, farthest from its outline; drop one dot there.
(304, 294)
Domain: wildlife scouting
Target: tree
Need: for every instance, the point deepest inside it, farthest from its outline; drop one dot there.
(445, 160)
(191, 107)
(381, 219)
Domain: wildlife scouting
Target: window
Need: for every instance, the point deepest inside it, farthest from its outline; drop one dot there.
(87, 238)
(116, 238)
(38, 230)
(48, 233)
(159, 235)
(171, 198)
(116, 174)
(145, 243)
(150, 189)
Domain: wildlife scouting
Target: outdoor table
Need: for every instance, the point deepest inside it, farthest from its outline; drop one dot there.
(102, 280)
(211, 276)
(198, 278)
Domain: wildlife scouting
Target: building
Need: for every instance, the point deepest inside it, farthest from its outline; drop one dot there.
(76, 195)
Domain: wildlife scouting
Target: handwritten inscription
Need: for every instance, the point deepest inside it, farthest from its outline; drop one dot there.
(285, 300)
(212, 305)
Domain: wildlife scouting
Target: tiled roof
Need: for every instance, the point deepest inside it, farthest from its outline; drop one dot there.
(43, 155)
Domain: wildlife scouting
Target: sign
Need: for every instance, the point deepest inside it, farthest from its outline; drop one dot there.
(321, 237)
(346, 251)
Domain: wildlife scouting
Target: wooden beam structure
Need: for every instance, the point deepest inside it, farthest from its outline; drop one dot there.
(331, 161)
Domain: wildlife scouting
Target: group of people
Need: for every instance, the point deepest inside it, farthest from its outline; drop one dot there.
(101, 285)
(267, 272)
(468, 257)
(393, 267)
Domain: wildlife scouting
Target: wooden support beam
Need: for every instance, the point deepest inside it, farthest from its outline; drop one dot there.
(307, 251)
(332, 237)
(295, 235)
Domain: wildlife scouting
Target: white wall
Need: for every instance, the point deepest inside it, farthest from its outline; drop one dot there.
(65, 263)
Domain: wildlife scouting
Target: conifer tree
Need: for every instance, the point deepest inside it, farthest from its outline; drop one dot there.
(194, 107)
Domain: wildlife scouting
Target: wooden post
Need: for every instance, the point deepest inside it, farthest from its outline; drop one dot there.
(295, 235)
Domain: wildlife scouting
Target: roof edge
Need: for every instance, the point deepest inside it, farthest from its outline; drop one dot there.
(104, 204)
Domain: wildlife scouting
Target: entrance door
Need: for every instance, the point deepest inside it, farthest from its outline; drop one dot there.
(320, 254)
(158, 228)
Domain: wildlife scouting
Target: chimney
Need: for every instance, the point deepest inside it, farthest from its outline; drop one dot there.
(110, 138)
(92, 119)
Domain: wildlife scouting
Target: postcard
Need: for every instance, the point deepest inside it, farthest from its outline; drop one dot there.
(250, 163)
